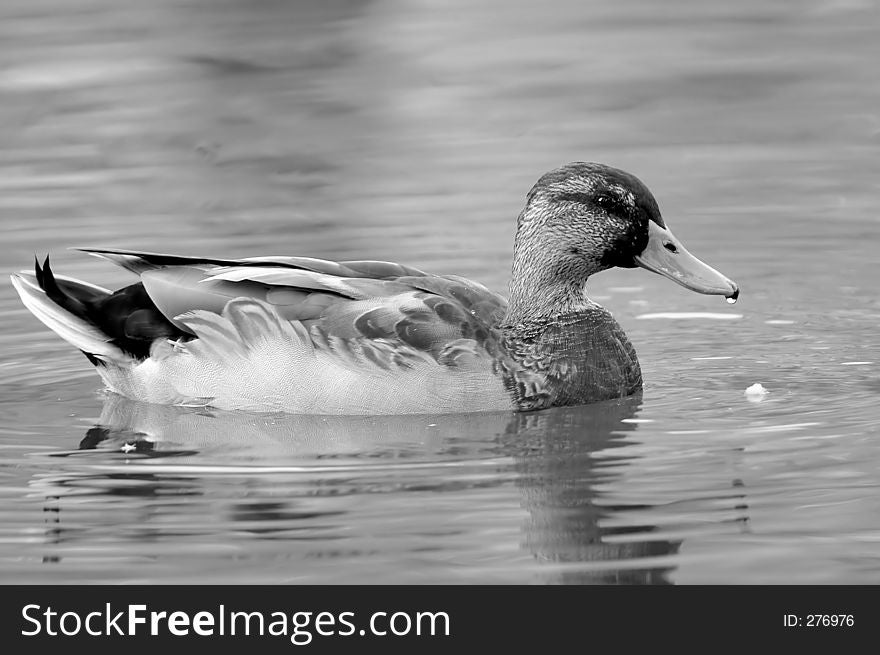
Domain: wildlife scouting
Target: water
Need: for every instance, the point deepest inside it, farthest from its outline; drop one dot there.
(411, 132)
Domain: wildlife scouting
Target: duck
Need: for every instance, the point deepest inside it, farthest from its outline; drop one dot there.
(301, 335)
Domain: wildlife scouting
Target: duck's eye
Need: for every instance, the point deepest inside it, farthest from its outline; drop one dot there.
(611, 205)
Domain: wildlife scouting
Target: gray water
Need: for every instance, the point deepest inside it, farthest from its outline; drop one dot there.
(411, 131)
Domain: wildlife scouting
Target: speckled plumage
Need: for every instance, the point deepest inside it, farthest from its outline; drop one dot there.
(579, 358)
(304, 335)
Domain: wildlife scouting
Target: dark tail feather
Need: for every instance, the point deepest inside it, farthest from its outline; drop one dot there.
(52, 287)
(127, 316)
(61, 306)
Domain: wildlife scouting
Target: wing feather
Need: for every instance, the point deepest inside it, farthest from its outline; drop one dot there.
(376, 312)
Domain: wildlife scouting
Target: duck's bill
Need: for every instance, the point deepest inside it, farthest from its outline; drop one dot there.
(665, 256)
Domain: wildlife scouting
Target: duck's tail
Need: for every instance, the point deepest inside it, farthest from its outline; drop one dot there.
(65, 305)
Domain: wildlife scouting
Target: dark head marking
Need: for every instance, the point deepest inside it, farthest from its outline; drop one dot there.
(603, 187)
(596, 211)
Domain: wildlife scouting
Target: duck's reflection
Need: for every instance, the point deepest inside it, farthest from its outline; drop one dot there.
(564, 457)
(560, 460)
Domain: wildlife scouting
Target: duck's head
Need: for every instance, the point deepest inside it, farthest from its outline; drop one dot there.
(585, 217)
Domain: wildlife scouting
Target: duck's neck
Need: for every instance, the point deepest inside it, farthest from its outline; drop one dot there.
(546, 283)
(538, 300)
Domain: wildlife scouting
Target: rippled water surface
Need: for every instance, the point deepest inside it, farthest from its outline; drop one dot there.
(411, 131)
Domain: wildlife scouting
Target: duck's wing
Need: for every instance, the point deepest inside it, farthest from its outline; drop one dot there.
(137, 262)
(395, 310)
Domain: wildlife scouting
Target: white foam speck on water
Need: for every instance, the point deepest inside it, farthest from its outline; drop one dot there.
(637, 420)
(706, 359)
(755, 393)
(779, 322)
(855, 363)
(690, 315)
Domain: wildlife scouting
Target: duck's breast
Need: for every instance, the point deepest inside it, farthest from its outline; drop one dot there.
(579, 358)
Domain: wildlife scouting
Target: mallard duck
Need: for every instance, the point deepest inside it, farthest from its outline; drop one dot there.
(304, 335)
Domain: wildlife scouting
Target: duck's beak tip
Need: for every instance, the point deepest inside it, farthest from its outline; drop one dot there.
(665, 255)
